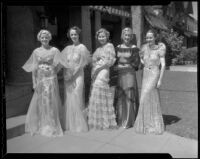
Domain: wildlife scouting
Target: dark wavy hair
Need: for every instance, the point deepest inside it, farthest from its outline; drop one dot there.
(77, 29)
(155, 34)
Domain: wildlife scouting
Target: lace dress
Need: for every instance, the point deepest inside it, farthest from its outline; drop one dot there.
(43, 113)
(74, 59)
(149, 118)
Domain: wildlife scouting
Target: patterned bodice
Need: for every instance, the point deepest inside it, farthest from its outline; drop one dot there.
(151, 57)
(73, 58)
(128, 56)
(45, 66)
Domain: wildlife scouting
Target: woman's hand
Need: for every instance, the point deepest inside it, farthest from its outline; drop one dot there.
(159, 83)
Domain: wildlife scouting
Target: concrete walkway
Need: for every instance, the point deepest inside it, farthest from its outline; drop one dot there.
(107, 141)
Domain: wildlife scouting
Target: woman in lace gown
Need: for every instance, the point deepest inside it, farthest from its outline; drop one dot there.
(149, 118)
(43, 113)
(101, 111)
(127, 96)
(74, 58)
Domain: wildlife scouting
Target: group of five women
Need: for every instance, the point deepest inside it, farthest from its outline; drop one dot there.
(46, 114)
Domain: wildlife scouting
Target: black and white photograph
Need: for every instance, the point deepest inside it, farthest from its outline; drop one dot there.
(100, 79)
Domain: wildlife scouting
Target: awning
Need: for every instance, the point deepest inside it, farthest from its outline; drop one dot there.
(111, 10)
(156, 22)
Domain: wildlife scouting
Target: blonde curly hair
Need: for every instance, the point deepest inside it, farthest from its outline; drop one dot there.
(127, 29)
(43, 31)
(102, 30)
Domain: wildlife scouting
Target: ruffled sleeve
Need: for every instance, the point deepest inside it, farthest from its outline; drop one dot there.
(109, 53)
(95, 56)
(162, 49)
(85, 56)
(142, 51)
(63, 57)
(56, 59)
(32, 63)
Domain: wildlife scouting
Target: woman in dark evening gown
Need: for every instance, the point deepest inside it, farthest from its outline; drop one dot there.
(127, 99)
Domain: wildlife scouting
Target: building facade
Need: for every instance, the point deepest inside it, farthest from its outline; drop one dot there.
(24, 22)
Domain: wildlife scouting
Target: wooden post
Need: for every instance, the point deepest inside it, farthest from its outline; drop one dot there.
(137, 23)
(86, 27)
(97, 24)
(123, 20)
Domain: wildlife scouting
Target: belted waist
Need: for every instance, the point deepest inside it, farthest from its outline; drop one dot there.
(151, 66)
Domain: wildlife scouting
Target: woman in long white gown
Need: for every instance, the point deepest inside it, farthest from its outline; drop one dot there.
(149, 118)
(74, 58)
(43, 113)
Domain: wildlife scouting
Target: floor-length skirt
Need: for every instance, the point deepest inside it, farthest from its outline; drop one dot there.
(101, 113)
(127, 99)
(43, 116)
(74, 104)
(149, 118)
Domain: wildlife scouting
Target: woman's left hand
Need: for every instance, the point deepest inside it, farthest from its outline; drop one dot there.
(159, 83)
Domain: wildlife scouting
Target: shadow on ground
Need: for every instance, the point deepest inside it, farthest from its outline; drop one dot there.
(170, 119)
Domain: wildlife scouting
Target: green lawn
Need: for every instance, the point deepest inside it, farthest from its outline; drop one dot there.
(180, 113)
(179, 103)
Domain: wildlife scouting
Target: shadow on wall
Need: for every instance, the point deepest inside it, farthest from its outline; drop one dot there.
(170, 119)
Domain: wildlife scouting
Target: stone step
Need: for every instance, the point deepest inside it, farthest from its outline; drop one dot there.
(15, 126)
(17, 99)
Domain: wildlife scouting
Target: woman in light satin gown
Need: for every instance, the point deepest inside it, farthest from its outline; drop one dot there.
(101, 113)
(149, 118)
(127, 96)
(43, 113)
(74, 58)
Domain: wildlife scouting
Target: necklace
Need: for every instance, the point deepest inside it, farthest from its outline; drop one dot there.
(153, 47)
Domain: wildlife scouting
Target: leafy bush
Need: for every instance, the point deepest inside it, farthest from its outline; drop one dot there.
(190, 54)
(173, 44)
(186, 56)
(173, 40)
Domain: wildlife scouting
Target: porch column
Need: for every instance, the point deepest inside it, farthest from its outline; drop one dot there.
(97, 25)
(123, 19)
(86, 27)
(137, 23)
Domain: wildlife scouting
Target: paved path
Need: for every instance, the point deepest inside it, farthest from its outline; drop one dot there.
(115, 141)
(107, 141)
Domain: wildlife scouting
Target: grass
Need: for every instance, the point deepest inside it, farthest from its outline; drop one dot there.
(181, 117)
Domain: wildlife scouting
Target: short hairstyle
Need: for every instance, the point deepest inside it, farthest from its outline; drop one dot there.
(102, 30)
(127, 29)
(43, 31)
(77, 29)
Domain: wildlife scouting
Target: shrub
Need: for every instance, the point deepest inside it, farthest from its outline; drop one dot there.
(190, 54)
(173, 43)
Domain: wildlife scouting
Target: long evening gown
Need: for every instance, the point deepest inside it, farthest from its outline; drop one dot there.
(101, 113)
(149, 118)
(43, 113)
(127, 97)
(74, 59)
